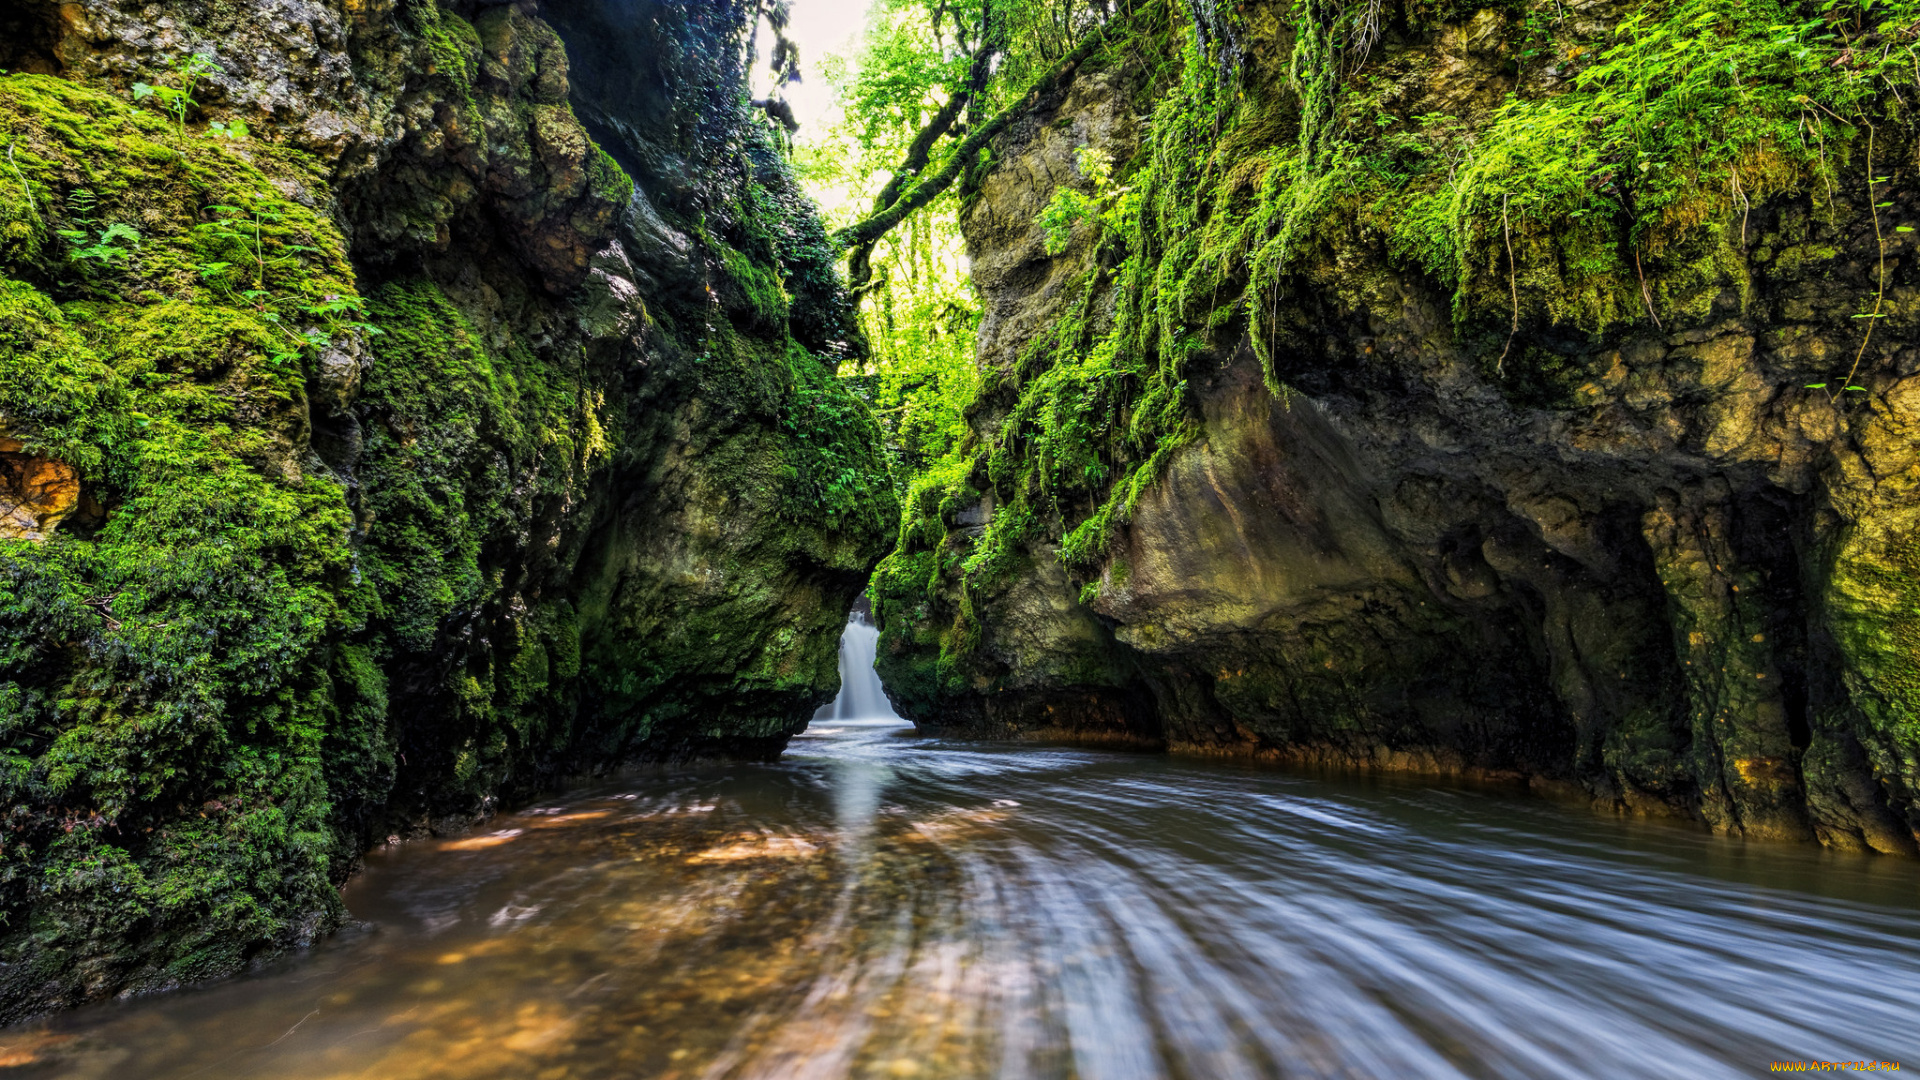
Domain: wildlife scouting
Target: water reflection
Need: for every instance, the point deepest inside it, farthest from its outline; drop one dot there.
(882, 906)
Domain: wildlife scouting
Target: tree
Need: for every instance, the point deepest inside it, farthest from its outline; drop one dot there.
(977, 79)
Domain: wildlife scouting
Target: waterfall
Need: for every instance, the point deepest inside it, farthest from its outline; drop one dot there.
(860, 695)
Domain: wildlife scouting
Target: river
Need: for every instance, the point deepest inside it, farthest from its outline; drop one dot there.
(879, 904)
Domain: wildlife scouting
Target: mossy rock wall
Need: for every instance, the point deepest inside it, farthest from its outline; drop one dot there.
(423, 460)
(1378, 420)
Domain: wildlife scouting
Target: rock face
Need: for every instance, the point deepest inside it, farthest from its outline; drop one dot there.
(423, 446)
(36, 493)
(1645, 563)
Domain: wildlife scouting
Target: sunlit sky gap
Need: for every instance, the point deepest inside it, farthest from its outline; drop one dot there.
(823, 29)
(820, 28)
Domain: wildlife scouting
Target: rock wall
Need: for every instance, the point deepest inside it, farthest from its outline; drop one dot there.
(399, 416)
(1640, 560)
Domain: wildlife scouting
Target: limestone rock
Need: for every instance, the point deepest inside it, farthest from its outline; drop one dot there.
(1651, 564)
(506, 499)
(36, 493)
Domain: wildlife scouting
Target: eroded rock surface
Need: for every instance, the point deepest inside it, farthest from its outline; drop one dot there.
(36, 493)
(1652, 567)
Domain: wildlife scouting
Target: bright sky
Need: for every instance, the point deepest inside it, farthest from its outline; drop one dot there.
(820, 27)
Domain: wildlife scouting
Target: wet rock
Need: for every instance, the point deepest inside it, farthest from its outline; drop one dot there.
(36, 493)
(511, 500)
(1650, 565)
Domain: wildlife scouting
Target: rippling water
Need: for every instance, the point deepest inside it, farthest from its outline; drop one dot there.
(879, 905)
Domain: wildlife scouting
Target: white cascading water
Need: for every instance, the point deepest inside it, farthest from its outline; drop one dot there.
(860, 695)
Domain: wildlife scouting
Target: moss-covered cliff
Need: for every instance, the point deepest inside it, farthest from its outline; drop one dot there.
(378, 442)
(1521, 391)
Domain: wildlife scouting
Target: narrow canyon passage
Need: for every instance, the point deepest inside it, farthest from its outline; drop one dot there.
(411, 409)
(880, 904)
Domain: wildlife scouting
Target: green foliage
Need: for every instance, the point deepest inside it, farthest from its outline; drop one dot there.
(1096, 413)
(1612, 188)
(920, 317)
(1067, 209)
(905, 69)
(915, 57)
(1686, 103)
(920, 324)
(103, 247)
(916, 53)
(164, 667)
(1600, 195)
(1056, 454)
(241, 234)
(831, 473)
(1110, 204)
(92, 246)
(177, 101)
(924, 372)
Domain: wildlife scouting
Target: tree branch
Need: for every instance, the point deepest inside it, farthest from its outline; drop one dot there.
(861, 236)
(921, 149)
(859, 266)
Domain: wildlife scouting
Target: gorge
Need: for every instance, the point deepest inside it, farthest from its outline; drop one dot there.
(414, 409)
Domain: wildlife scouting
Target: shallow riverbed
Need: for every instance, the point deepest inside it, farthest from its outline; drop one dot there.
(878, 904)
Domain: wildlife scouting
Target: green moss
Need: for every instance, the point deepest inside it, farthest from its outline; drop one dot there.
(166, 674)
(791, 467)
(459, 429)
(832, 472)
(211, 688)
(58, 396)
(1874, 608)
(762, 298)
(455, 47)
(136, 170)
(1630, 164)
(474, 441)
(607, 180)
(1613, 184)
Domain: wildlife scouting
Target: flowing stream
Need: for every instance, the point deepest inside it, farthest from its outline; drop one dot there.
(882, 905)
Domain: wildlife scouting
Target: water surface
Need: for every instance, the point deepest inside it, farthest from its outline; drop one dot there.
(881, 905)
